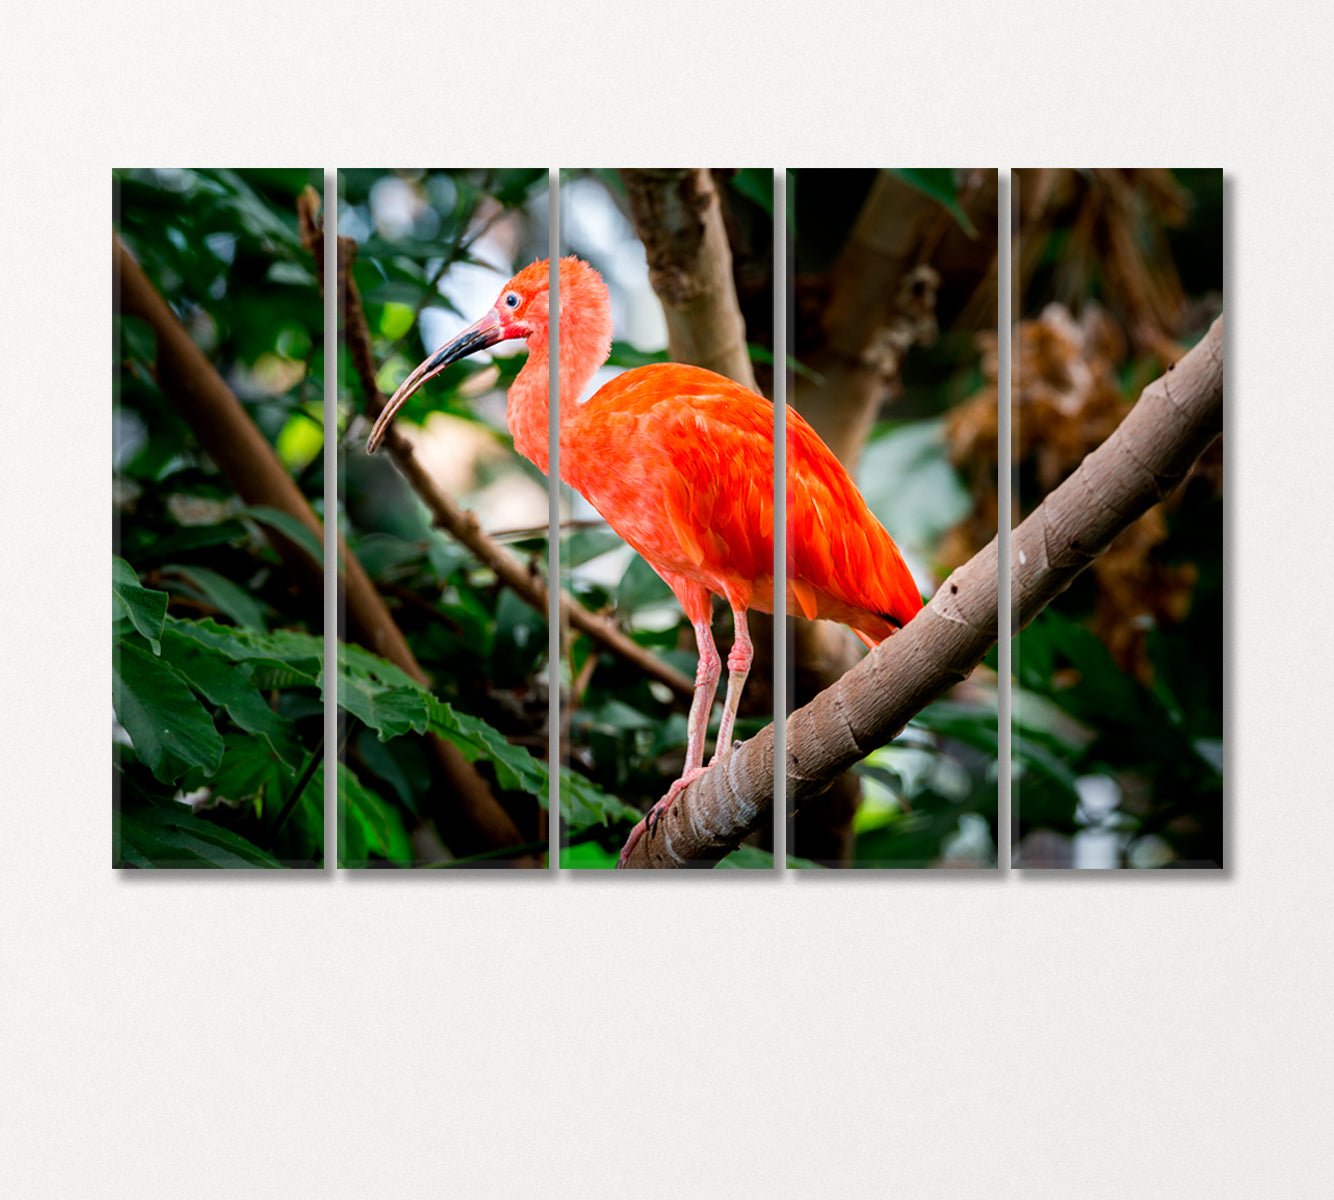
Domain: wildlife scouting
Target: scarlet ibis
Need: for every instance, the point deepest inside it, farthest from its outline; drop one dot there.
(679, 460)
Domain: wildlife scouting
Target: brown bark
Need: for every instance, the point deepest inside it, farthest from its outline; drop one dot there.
(820, 653)
(245, 456)
(1174, 422)
(678, 218)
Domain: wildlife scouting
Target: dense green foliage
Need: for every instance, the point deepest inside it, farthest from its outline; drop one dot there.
(484, 650)
(218, 662)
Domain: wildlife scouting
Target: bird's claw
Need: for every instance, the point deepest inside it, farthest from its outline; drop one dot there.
(653, 817)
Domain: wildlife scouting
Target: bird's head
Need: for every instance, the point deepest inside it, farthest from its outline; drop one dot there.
(520, 311)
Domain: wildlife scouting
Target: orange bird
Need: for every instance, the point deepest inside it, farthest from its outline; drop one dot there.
(679, 461)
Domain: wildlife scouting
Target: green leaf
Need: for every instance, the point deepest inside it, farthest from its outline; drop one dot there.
(230, 686)
(303, 827)
(446, 556)
(520, 635)
(161, 836)
(386, 556)
(137, 340)
(1039, 762)
(380, 760)
(516, 769)
(641, 587)
(391, 703)
(619, 716)
(390, 711)
(380, 695)
(583, 803)
(367, 825)
(938, 183)
(748, 858)
(516, 186)
(144, 607)
(170, 729)
(795, 863)
(248, 775)
(973, 725)
(1103, 693)
(289, 527)
(291, 273)
(252, 213)
(586, 855)
(584, 545)
(757, 186)
(299, 655)
(222, 594)
(356, 661)
(195, 537)
(628, 355)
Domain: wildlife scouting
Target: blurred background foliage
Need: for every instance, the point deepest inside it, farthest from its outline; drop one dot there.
(923, 447)
(1118, 701)
(217, 657)
(432, 250)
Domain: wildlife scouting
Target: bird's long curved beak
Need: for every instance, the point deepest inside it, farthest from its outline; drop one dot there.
(486, 332)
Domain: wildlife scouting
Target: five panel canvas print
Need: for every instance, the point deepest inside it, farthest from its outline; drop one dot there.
(695, 356)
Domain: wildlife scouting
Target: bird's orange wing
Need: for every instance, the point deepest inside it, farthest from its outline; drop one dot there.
(842, 564)
(680, 462)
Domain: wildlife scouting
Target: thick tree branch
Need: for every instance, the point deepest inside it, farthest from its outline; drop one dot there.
(249, 462)
(1176, 419)
(678, 218)
(461, 524)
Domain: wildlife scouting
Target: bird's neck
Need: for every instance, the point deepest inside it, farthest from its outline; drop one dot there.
(528, 405)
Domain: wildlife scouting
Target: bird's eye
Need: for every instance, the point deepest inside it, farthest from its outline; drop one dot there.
(512, 300)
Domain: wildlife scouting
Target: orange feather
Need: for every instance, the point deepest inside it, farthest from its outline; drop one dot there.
(679, 461)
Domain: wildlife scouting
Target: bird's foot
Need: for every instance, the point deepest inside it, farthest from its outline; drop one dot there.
(651, 818)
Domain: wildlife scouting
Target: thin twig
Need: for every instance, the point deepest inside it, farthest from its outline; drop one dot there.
(307, 773)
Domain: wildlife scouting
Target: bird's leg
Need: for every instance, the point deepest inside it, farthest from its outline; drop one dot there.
(738, 667)
(707, 674)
